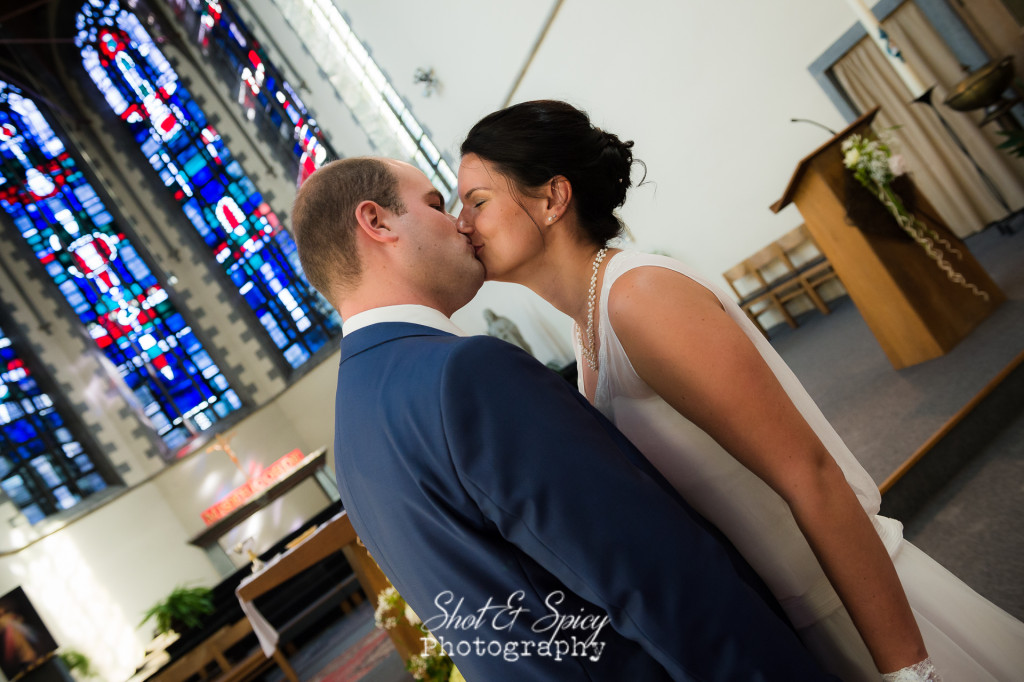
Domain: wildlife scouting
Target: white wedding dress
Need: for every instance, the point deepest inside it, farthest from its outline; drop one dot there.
(969, 638)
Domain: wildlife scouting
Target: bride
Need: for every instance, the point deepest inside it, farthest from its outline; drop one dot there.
(679, 368)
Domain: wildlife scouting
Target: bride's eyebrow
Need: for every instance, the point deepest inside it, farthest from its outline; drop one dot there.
(465, 197)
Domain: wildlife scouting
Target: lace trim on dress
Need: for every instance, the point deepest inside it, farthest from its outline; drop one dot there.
(919, 672)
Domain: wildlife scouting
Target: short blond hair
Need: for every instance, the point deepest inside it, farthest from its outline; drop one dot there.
(324, 222)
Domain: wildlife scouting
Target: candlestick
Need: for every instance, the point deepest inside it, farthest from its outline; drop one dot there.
(891, 51)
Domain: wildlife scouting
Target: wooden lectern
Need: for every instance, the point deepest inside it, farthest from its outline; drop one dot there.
(913, 309)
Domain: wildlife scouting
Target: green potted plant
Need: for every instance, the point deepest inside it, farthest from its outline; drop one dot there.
(1014, 143)
(78, 664)
(182, 609)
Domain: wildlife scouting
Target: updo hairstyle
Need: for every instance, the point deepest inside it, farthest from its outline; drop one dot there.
(532, 142)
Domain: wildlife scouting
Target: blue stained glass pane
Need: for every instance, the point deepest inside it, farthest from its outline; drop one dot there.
(18, 431)
(110, 287)
(197, 168)
(34, 441)
(232, 398)
(176, 440)
(150, 146)
(84, 193)
(33, 513)
(211, 193)
(202, 360)
(202, 176)
(195, 162)
(241, 278)
(225, 35)
(296, 355)
(175, 322)
(91, 483)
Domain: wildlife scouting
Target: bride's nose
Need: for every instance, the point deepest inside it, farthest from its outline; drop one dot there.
(461, 224)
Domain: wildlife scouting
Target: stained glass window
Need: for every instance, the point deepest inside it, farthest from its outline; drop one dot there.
(43, 466)
(195, 165)
(113, 291)
(262, 90)
(365, 90)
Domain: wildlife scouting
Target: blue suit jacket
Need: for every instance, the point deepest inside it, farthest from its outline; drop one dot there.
(513, 517)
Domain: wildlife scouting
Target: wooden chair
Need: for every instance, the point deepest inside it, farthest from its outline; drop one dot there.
(788, 283)
(755, 296)
(811, 265)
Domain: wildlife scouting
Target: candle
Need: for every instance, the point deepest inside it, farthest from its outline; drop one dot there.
(891, 52)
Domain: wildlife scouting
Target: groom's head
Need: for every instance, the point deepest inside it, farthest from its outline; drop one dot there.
(373, 232)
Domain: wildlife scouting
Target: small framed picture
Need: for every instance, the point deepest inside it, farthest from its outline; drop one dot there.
(24, 640)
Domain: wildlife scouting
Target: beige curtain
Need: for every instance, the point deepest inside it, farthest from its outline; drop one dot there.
(995, 26)
(942, 173)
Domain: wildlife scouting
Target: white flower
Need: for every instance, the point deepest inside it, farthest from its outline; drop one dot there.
(878, 169)
(897, 165)
(386, 601)
(418, 667)
(851, 158)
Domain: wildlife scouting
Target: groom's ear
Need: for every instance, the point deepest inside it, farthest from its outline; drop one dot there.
(372, 219)
(558, 192)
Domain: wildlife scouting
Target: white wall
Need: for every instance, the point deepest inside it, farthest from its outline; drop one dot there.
(92, 582)
(301, 417)
(706, 90)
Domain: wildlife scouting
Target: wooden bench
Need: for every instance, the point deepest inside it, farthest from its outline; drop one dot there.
(212, 654)
(227, 648)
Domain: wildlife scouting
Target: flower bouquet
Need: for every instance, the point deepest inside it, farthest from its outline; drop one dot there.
(433, 666)
(876, 168)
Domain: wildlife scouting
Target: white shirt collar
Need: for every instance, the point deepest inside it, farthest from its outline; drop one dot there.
(416, 314)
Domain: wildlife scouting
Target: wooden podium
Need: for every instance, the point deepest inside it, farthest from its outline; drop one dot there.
(913, 309)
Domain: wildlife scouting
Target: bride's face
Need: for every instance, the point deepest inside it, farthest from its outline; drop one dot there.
(498, 220)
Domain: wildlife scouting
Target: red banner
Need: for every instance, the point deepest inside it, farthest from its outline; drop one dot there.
(243, 493)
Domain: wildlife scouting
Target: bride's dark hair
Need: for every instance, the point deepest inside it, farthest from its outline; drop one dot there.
(532, 142)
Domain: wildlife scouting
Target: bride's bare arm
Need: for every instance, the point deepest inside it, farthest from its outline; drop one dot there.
(685, 346)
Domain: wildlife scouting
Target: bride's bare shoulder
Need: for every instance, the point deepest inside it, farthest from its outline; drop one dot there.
(653, 290)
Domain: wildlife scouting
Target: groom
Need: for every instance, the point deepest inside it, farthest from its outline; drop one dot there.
(532, 539)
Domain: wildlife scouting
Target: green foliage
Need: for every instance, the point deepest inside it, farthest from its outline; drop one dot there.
(183, 608)
(78, 663)
(436, 667)
(1014, 143)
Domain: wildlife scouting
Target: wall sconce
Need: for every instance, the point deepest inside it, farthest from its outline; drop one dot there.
(428, 79)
